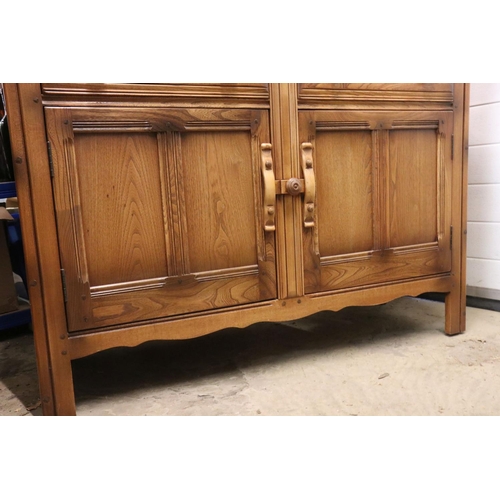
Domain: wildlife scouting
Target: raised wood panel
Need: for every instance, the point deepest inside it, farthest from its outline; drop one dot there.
(217, 169)
(484, 164)
(158, 211)
(383, 204)
(413, 176)
(344, 191)
(120, 182)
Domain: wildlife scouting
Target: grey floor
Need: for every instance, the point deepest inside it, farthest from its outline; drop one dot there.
(392, 359)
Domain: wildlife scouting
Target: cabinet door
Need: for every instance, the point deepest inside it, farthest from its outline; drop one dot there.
(382, 208)
(158, 211)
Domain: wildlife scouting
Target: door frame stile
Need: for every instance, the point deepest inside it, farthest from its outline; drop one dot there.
(285, 137)
(30, 248)
(455, 301)
(52, 306)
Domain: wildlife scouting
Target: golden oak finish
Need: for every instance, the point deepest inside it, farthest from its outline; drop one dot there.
(169, 211)
(456, 299)
(376, 95)
(23, 188)
(384, 181)
(163, 90)
(49, 317)
(198, 324)
(156, 211)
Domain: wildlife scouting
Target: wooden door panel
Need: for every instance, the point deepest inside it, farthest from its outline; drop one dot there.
(344, 191)
(157, 211)
(412, 202)
(124, 229)
(224, 235)
(383, 196)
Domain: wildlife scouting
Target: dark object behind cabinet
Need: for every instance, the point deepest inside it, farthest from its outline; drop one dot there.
(6, 171)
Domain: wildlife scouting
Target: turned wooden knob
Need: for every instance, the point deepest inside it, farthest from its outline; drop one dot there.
(293, 186)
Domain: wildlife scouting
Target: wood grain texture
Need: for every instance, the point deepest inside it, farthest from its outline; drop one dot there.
(375, 267)
(413, 187)
(278, 136)
(292, 207)
(384, 191)
(455, 301)
(30, 247)
(176, 296)
(344, 192)
(165, 90)
(172, 200)
(210, 265)
(382, 87)
(195, 325)
(47, 246)
(340, 94)
(217, 168)
(122, 206)
(155, 96)
(145, 195)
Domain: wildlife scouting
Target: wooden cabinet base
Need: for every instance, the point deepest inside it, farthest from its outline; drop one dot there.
(162, 212)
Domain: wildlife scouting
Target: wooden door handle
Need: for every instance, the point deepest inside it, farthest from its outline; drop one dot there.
(309, 183)
(269, 187)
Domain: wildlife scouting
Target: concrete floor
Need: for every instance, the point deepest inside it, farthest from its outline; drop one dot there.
(392, 359)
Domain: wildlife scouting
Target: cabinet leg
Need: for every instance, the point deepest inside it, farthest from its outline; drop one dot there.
(64, 393)
(61, 400)
(454, 312)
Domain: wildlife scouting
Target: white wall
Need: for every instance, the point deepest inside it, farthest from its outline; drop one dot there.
(483, 247)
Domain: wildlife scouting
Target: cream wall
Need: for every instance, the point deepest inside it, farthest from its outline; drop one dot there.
(483, 247)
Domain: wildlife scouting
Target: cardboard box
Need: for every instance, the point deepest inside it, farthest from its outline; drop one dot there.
(8, 294)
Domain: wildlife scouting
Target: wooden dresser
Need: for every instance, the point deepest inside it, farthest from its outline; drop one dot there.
(170, 211)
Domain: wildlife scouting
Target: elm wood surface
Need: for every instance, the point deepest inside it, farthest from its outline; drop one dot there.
(384, 185)
(198, 324)
(455, 311)
(177, 273)
(28, 142)
(156, 211)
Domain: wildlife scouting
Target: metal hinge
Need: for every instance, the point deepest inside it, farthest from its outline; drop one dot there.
(451, 237)
(452, 145)
(65, 290)
(51, 164)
